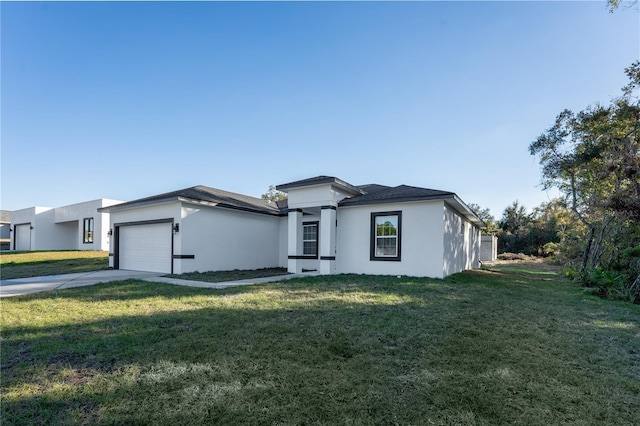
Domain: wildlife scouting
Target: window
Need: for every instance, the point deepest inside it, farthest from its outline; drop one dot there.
(87, 230)
(310, 239)
(386, 231)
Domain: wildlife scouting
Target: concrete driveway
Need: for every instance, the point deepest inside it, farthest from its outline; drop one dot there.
(19, 286)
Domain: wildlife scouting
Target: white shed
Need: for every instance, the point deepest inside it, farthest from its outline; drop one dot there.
(488, 248)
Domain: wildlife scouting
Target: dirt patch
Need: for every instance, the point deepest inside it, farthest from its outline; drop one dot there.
(517, 256)
(538, 263)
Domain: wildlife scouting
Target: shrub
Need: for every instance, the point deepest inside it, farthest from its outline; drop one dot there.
(609, 283)
(549, 249)
(514, 256)
(571, 273)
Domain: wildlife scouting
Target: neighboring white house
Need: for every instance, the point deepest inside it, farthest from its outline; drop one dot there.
(74, 227)
(5, 229)
(326, 225)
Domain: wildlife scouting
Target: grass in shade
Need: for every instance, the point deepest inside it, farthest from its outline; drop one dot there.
(507, 345)
(40, 263)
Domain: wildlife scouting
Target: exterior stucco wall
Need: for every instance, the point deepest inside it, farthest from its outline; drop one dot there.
(5, 232)
(5, 236)
(23, 216)
(67, 236)
(283, 241)
(314, 196)
(225, 239)
(61, 228)
(76, 213)
(44, 234)
(461, 243)
(421, 245)
(474, 247)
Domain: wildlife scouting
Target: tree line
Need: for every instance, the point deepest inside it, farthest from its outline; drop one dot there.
(593, 158)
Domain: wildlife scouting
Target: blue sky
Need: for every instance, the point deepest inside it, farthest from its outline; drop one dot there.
(125, 100)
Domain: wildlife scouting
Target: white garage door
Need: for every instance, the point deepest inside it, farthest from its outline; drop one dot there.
(23, 237)
(146, 247)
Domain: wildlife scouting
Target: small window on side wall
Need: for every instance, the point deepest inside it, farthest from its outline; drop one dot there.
(310, 239)
(386, 236)
(87, 231)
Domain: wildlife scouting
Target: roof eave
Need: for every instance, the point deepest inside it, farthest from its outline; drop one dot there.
(348, 202)
(274, 212)
(451, 199)
(179, 199)
(136, 204)
(465, 211)
(333, 181)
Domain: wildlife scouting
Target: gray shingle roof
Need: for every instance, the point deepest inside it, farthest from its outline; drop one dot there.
(372, 187)
(377, 194)
(206, 194)
(283, 205)
(380, 194)
(365, 194)
(318, 180)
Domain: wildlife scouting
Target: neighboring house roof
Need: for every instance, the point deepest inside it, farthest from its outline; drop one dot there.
(320, 180)
(5, 216)
(204, 195)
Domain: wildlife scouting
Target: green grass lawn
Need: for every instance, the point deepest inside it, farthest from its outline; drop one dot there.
(507, 345)
(38, 263)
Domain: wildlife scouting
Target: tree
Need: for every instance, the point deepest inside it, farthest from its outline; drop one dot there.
(614, 4)
(273, 194)
(485, 215)
(514, 218)
(551, 223)
(513, 224)
(593, 157)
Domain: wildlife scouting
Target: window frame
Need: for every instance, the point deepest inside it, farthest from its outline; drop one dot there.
(373, 237)
(91, 238)
(315, 223)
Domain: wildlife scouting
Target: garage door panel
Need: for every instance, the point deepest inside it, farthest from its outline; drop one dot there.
(23, 237)
(146, 247)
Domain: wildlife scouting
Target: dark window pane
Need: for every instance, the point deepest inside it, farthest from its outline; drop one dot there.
(386, 246)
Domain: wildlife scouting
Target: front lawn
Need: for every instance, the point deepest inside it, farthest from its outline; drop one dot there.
(501, 346)
(39, 263)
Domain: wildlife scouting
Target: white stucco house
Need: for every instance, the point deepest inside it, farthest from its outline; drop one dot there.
(74, 227)
(326, 224)
(5, 229)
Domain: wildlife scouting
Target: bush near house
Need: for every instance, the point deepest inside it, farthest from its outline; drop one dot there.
(512, 344)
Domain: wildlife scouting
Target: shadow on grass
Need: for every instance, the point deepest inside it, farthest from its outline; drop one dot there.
(52, 267)
(345, 349)
(222, 363)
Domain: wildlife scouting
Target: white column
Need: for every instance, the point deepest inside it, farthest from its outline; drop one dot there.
(328, 240)
(294, 235)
